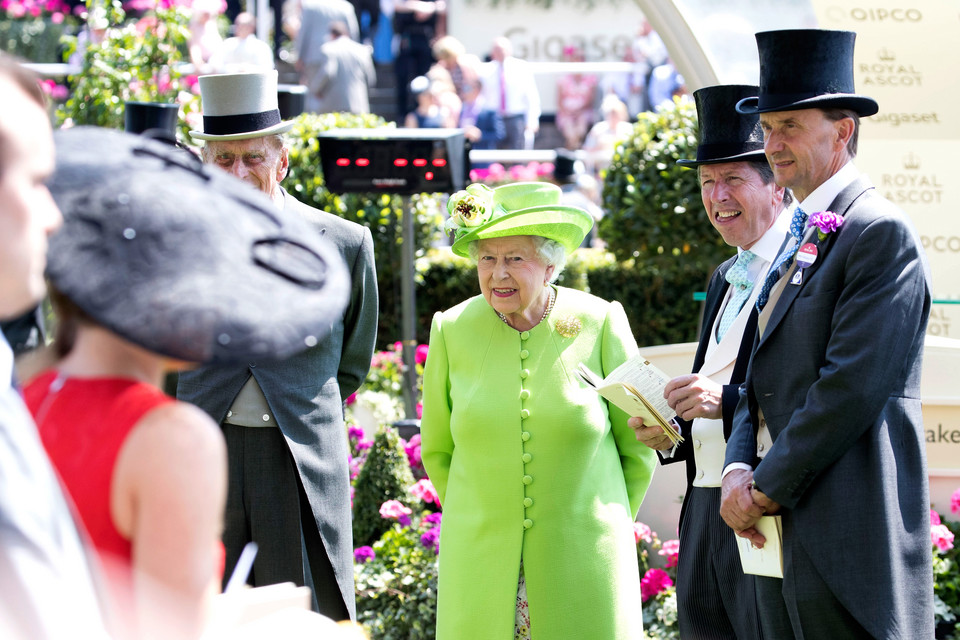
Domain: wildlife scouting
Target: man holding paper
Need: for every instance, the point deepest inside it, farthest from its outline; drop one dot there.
(834, 378)
(715, 599)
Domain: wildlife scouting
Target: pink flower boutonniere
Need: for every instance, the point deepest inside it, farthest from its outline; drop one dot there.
(826, 222)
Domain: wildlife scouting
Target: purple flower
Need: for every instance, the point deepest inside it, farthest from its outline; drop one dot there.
(955, 502)
(432, 518)
(825, 222)
(354, 432)
(431, 539)
(362, 555)
(394, 509)
(363, 445)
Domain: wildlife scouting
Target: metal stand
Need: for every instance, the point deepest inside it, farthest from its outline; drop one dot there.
(408, 310)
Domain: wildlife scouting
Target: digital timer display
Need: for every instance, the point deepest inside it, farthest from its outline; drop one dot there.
(404, 161)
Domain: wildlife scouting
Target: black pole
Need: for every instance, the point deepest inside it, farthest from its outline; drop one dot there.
(408, 310)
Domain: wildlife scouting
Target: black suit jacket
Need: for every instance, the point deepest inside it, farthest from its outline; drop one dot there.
(837, 376)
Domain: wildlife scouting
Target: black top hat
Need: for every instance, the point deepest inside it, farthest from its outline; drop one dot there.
(144, 116)
(291, 100)
(807, 69)
(184, 259)
(566, 167)
(725, 135)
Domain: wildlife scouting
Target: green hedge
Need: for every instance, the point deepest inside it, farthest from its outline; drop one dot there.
(385, 476)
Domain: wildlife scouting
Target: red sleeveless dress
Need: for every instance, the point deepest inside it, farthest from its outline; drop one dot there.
(83, 422)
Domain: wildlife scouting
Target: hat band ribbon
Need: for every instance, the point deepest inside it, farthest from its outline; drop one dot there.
(726, 149)
(242, 123)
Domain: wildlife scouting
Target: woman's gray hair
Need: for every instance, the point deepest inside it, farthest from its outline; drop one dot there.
(549, 252)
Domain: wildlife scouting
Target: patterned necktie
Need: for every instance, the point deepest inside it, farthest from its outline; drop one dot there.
(797, 224)
(742, 284)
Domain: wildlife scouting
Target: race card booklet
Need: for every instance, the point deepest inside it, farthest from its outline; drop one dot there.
(767, 561)
(636, 387)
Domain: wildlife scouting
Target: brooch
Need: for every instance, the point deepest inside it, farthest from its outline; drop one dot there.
(569, 326)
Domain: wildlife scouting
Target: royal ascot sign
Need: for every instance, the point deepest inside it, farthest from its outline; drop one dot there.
(905, 59)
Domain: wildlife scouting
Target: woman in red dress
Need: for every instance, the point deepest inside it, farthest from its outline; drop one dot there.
(148, 235)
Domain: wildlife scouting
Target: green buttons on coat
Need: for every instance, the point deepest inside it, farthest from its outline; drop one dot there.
(524, 414)
(524, 374)
(527, 523)
(528, 502)
(527, 457)
(527, 479)
(525, 436)
(524, 335)
(525, 394)
(524, 354)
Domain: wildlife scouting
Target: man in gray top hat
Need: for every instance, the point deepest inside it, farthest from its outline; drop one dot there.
(715, 599)
(283, 420)
(834, 378)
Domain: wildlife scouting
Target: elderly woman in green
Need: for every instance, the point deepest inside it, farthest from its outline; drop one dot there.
(540, 479)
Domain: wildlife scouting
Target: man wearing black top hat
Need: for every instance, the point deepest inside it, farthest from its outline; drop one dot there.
(287, 449)
(834, 378)
(715, 599)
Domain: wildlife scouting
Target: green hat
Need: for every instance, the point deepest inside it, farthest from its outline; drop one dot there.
(518, 209)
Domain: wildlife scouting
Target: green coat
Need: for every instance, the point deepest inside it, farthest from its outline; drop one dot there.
(532, 465)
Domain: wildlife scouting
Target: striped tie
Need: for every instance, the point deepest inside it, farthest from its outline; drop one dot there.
(797, 224)
(742, 284)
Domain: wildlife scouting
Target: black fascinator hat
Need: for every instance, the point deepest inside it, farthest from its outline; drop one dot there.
(184, 259)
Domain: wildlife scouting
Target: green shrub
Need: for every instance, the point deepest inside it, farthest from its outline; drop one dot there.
(385, 476)
(653, 206)
(34, 39)
(397, 589)
(382, 213)
(655, 217)
(137, 61)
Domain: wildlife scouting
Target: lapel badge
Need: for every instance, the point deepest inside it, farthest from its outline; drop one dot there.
(569, 326)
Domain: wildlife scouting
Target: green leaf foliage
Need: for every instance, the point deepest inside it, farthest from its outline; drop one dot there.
(397, 590)
(385, 476)
(138, 60)
(656, 226)
(653, 208)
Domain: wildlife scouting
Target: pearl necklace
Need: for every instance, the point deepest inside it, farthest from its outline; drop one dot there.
(546, 311)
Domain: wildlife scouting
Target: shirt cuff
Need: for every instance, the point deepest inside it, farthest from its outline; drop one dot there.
(733, 466)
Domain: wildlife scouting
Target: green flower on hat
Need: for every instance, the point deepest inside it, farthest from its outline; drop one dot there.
(469, 208)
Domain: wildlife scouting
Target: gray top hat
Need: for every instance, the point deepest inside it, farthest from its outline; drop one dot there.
(240, 106)
(806, 69)
(184, 259)
(725, 135)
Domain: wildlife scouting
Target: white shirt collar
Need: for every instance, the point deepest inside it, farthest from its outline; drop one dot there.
(769, 243)
(826, 193)
(6, 364)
